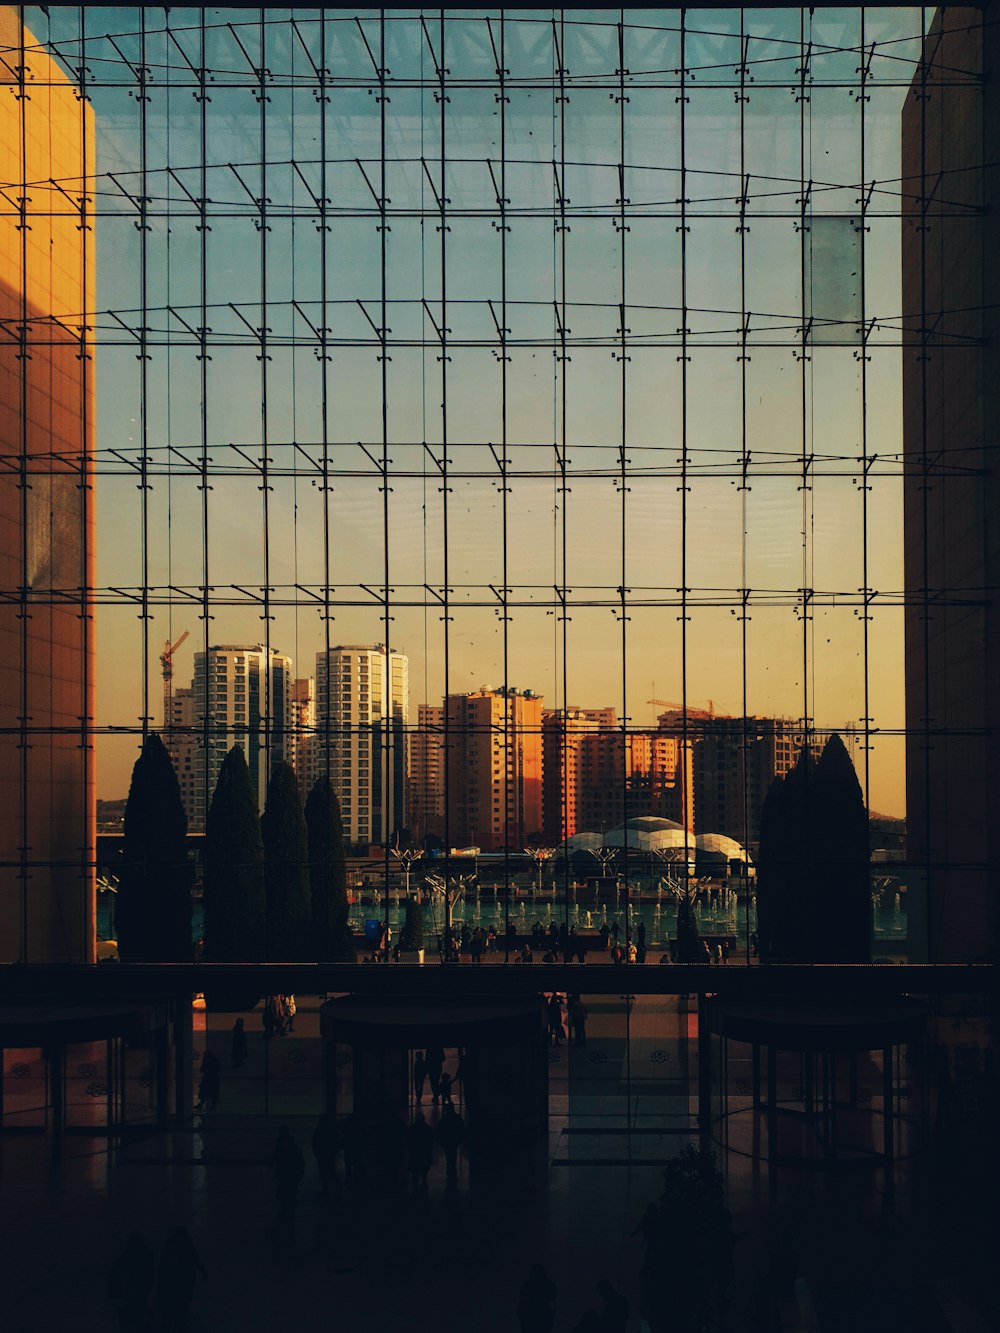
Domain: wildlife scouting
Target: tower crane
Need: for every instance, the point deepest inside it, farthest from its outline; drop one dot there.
(679, 708)
(166, 662)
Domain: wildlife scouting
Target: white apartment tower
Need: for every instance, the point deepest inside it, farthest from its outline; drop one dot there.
(240, 695)
(362, 711)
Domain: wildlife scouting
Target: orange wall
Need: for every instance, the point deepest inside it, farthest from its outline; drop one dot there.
(46, 509)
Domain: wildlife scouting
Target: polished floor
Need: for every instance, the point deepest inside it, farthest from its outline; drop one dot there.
(873, 1250)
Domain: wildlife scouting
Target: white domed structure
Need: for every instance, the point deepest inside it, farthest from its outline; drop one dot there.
(655, 837)
(715, 853)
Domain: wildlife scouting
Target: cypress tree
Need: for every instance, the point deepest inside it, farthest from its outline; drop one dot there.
(770, 863)
(788, 906)
(331, 934)
(286, 855)
(842, 858)
(153, 908)
(234, 879)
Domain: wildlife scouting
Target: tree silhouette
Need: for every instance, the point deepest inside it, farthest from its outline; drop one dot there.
(234, 868)
(332, 939)
(842, 858)
(153, 907)
(411, 937)
(813, 900)
(786, 889)
(286, 855)
(689, 945)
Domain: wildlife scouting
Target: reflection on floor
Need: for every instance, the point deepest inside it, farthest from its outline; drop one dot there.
(874, 1250)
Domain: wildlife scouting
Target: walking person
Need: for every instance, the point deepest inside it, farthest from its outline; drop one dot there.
(556, 1030)
(175, 1282)
(445, 1088)
(419, 1076)
(605, 935)
(577, 1014)
(130, 1284)
(451, 1133)
(435, 1063)
(269, 1018)
(290, 1012)
(325, 1145)
(419, 1150)
(238, 1046)
(289, 1166)
(208, 1087)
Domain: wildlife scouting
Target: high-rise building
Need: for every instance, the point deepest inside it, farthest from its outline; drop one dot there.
(563, 765)
(597, 775)
(734, 762)
(47, 797)
(240, 695)
(302, 729)
(494, 769)
(426, 773)
(362, 710)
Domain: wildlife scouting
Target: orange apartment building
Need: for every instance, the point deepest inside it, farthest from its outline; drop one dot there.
(597, 775)
(494, 769)
(47, 795)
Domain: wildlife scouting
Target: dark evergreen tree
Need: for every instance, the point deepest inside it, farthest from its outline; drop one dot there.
(789, 921)
(286, 855)
(841, 859)
(234, 868)
(411, 937)
(153, 907)
(689, 945)
(332, 939)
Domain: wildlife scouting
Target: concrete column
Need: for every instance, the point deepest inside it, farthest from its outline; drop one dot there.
(183, 1060)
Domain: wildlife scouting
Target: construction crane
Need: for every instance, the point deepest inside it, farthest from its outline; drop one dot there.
(167, 663)
(679, 708)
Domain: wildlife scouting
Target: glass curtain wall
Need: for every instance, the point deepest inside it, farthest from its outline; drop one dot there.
(498, 411)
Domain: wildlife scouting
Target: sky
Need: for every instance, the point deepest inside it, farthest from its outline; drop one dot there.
(734, 432)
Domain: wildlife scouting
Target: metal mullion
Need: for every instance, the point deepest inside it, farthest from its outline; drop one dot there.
(744, 487)
(564, 360)
(203, 358)
(502, 100)
(24, 486)
(144, 227)
(267, 684)
(386, 747)
(623, 390)
(805, 358)
(443, 466)
(684, 487)
(864, 482)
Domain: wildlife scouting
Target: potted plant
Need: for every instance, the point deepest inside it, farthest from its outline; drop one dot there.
(411, 939)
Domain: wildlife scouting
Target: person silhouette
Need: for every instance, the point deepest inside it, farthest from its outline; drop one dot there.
(325, 1143)
(208, 1087)
(419, 1150)
(536, 1303)
(289, 1165)
(175, 1281)
(238, 1049)
(130, 1284)
(451, 1132)
(435, 1063)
